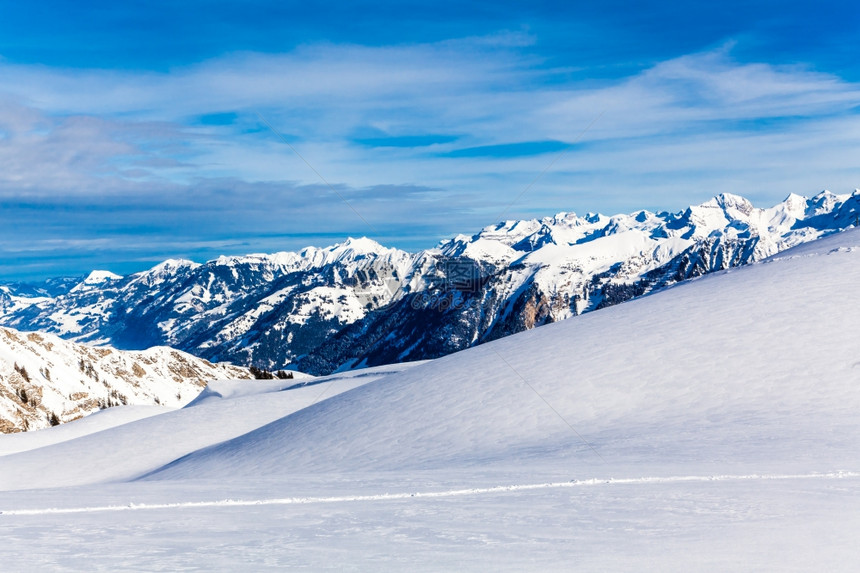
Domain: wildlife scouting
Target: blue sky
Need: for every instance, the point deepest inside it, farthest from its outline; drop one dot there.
(131, 132)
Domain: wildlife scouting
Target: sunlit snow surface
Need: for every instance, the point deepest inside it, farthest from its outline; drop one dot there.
(713, 426)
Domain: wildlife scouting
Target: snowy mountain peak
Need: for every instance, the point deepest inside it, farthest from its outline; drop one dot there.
(362, 244)
(731, 202)
(98, 277)
(794, 205)
(353, 248)
(824, 202)
(163, 271)
(172, 265)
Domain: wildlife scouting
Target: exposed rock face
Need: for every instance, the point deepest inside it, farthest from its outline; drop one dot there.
(45, 380)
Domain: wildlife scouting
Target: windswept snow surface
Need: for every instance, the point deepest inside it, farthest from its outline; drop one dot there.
(129, 450)
(95, 422)
(712, 426)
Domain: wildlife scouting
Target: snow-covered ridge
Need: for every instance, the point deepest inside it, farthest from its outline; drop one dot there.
(360, 303)
(46, 380)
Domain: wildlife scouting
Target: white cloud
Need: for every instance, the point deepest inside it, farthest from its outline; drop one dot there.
(676, 133)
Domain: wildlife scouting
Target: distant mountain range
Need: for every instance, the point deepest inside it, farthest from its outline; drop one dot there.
(359, 303)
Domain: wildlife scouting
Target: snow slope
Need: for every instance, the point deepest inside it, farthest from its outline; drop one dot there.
(711, 426)
(225, 411)
(745, 365)
(95, 422)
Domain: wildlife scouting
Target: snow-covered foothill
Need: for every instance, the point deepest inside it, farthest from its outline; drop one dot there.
(45, 380)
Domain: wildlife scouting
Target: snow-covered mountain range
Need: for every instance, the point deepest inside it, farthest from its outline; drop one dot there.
(716, 420)
(359, 303)
(45, 380)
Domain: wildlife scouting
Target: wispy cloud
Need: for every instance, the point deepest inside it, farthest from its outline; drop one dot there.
(424, 140)
(519, 149)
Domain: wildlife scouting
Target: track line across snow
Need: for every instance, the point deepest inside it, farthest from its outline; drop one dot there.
(446, 493)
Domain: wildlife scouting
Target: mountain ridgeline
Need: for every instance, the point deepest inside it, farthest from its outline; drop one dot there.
(359, 303)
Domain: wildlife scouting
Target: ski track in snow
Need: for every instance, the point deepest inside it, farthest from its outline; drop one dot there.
(435, 494)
